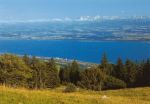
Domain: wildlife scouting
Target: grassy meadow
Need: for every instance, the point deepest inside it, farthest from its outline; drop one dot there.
(57, 96)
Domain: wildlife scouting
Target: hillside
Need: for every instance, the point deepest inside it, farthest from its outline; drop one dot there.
(57, 96)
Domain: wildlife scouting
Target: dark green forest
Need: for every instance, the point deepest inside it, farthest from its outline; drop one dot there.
(35, 73)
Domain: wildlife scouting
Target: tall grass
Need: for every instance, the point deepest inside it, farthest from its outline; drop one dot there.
(57, 96)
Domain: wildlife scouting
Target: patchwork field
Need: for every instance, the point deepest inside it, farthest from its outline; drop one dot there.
(57, 96)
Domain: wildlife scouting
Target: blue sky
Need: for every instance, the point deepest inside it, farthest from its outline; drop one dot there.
(46, 9)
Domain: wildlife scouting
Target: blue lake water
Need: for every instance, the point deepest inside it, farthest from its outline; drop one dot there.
(89, 51)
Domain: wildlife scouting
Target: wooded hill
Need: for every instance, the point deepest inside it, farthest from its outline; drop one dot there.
(35, 73)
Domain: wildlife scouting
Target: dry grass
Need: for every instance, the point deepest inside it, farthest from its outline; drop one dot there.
(57, 96)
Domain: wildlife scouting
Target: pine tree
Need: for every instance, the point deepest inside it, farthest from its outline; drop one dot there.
(37, 73)
(74, 72)
(105, 66)
(130, 77)
(64, 75)
(146, 73)
(104, 62)
(119, 70)
(52, 75)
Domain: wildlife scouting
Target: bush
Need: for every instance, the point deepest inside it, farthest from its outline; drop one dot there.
(70, 88)
(92, 79)
(113, 83)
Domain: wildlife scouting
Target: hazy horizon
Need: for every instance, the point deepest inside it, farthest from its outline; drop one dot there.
(48, 9)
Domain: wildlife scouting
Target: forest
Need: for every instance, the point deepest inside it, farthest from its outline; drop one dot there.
(35, 73)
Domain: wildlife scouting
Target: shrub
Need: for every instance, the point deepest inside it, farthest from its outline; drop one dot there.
(113, 83)
(70, 88)
(92, 79)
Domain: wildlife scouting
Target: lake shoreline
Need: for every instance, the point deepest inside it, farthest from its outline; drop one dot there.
(85, 51)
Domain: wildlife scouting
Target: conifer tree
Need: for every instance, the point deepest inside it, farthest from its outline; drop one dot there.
(74, 72)
(146, 73)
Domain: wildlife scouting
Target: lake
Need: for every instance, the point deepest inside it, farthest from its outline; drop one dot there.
(89, 51)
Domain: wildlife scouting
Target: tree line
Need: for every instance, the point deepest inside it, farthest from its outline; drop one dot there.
(31, 72)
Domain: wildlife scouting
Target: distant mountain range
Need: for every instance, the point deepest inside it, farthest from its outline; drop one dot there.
(82, 18)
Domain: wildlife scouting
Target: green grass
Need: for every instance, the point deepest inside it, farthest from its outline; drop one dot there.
(57, 96)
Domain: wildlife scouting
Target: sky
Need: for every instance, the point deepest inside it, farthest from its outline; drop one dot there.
(47, 9)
